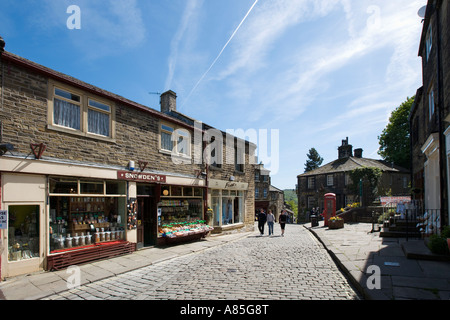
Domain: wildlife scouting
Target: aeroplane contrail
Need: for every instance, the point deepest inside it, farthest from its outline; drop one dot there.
(221, 51)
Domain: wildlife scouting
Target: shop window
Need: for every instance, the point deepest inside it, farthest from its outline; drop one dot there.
(198, 192)
(91, 187)
(62, 185)
(79, 222)
(23, 232)
(187, 192)
(228, 207)
(176, 191)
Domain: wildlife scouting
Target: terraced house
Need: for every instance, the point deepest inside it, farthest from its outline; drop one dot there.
(88, 174)
(430, 115)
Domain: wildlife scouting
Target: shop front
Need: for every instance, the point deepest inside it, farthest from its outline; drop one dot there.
(227, 201)
(52, 220)
(170, 209)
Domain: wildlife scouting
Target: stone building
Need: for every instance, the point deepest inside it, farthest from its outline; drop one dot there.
(267, 197)
(230, 171)
(430, 113)
(334, 177)
(84, 168)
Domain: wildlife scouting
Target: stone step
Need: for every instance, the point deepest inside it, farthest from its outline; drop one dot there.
(389, 233)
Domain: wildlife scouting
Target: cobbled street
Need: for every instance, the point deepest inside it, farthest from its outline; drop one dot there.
(293, 267)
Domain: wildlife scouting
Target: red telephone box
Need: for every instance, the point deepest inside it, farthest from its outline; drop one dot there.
(330, 207)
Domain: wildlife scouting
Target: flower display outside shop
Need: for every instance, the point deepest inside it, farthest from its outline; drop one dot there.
(335, 223)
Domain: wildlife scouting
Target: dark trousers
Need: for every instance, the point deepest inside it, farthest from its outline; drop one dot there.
(261, 226)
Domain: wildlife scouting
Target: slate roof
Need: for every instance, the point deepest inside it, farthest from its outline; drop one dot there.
(351, 163)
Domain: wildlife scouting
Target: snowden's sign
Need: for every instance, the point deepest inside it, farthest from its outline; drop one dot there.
(143, 177)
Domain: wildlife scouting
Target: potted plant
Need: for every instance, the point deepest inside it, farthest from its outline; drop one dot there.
(335, 223)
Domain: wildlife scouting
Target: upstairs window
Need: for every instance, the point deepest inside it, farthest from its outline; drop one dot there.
(176, 141)
(431, 102)
(67, 109)
(99, 118)
(77, 112)
(429, 41)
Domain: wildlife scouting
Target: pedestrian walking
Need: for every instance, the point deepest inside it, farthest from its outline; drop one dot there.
(270, 221)
(262, 218)
(282, 219)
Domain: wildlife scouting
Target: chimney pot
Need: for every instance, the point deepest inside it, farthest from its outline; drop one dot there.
(168, 101)
(358, 153)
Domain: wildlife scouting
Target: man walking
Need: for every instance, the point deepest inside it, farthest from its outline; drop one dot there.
(262, 218)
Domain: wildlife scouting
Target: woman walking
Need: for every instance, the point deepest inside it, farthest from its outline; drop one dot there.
(270, 221)
(282, 219)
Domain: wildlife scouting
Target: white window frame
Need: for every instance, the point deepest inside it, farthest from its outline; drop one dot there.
(175, 134)
(311, 182)
(84, 106)
(330, 180)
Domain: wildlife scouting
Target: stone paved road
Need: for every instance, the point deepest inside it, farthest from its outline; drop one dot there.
(294, 267)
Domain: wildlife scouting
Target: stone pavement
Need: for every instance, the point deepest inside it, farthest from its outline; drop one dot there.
(42, 284)
(231, 267)
(355, 249)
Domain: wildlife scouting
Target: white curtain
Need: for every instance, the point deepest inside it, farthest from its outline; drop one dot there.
(98, 123)
(66, 114)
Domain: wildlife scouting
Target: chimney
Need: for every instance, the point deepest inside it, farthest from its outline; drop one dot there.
(345, 150)
(168, 101)
(2, 44)
(358, 153)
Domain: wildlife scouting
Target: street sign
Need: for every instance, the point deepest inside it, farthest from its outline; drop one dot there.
(3, 219)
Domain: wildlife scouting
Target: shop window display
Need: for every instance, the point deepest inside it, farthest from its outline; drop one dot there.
(228, 206)
(23, 232)
(180, 212)
(78, 221)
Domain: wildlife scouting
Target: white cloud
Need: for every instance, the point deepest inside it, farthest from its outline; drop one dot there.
(187, 20)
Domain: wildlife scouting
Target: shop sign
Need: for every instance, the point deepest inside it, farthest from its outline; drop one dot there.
(143, 177)
(227, 185)
(3, 219)
(394, 200)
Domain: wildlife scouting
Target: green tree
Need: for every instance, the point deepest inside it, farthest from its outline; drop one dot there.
(314, 160)
(369, 176)
(394, 140)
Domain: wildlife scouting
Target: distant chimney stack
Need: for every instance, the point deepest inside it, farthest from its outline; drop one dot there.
(358, 153)
(345, 150)
(168, 101)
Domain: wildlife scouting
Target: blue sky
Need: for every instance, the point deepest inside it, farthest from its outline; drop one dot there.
(315, 71)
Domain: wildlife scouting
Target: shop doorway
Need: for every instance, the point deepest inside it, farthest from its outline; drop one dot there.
(25, 238)
(147, 228)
